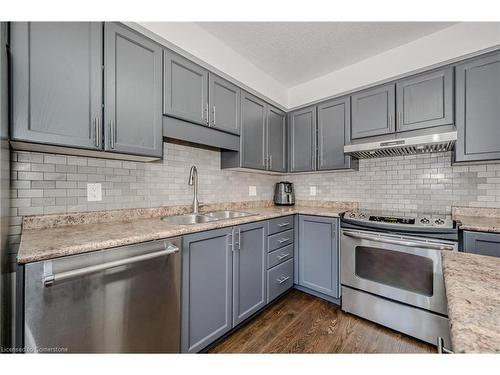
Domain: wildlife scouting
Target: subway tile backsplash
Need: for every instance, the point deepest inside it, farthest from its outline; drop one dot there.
(48, 183)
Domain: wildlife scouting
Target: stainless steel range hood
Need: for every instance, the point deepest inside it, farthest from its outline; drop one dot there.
(418, 144)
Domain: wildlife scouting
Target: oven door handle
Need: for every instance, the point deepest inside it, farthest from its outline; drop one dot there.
(423, 245)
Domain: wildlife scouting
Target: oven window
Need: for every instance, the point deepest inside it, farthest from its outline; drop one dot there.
(396, 269)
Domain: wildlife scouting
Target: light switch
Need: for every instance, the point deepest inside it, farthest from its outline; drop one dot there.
(312, 190)
(94, 192)
(252, 191)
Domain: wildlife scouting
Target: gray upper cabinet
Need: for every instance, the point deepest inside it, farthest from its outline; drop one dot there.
(478, 109)
(185, 89)
(334, 126)
(482, 243)
(224, 104)
(319, 254)
(249, 270)
(253, 125)
(276, 139)
(425, 100)
(302, 128)
(373, 112)
(206, 288)
(133, 93)
(57, 83)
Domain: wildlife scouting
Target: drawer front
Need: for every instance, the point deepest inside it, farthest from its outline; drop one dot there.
(279, 240)
(279, 256)
(280, 224)
(279, 279)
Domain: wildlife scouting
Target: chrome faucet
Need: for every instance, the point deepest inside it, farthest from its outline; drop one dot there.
(193, 181)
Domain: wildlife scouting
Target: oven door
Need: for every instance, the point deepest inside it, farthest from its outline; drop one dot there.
(401, 268)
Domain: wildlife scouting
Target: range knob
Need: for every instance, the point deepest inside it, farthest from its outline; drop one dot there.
(439, 221)
(424, 220)
(362, 216)
(352, 215)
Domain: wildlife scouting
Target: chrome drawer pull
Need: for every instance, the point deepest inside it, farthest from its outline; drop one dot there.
(282, 256)
(283, 240)
(283, 279)
(283, 224)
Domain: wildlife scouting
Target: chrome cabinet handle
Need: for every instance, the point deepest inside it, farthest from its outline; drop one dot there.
(111, 134)
(282, 279)
(281, 240)
(206, 115)
(97, 131)
(239, 238)
(423, 245)
(282, 256)
(265, 162)
(390, 121)
(213, 111)
(441, 348)
(230, 241)
(270, 161)
(281, 225)
(50, 279)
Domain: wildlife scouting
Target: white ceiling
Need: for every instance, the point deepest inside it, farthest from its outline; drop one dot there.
(296, 52)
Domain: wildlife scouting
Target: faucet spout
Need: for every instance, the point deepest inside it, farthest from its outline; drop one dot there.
(193, 181)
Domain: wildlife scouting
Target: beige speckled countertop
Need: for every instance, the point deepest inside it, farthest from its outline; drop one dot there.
(473, 291)
(61, 235)
(478, 219)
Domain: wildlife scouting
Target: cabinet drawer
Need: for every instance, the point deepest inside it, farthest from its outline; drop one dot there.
(279, 279)
(279, 240)
(280, 224)
(279, 256)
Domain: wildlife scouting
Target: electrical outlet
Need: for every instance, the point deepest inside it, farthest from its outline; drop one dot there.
(252, 191)
(94, 192)
(312, 190)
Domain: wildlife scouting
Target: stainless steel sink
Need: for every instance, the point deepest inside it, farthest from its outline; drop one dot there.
(221, 215)
(188, 219)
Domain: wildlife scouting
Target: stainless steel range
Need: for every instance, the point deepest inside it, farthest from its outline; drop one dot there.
(391, 270)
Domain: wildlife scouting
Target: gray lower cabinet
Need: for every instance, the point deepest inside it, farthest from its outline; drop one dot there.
(425, 100)
(334, 127)
(253, 132)
(224, 104)
(185, 89)
(207, 274)
(318, 253)
(302, 129)
(249, 270)
(478, 109)
(57, 83)
(373, 111)
(276, 139)
(481, 243)
(133, 93)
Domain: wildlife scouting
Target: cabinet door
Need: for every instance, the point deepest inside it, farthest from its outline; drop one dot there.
(276, 139)
(318, 254)
(185, 89)
(249, 270)
(334, 123)
(206, 288)
(224, 104)
(57, 83)
(373, 112)
(253, 124)
(478, 109)
(425, 101)
(482, 243)
(302, 127)
(133, 71)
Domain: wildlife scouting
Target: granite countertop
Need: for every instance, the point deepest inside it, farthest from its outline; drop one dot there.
(477, 219)
(48, 237)
(473, 291)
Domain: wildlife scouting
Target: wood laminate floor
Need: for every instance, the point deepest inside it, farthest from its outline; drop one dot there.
(301, 323)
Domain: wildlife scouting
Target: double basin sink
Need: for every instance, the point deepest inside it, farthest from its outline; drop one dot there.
(189, 219)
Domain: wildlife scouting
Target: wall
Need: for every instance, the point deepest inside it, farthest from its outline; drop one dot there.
(48, 183)
(203, 45)
(452, 42)
(423, 183)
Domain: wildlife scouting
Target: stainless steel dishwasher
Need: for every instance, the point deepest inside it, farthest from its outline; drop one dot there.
(122, 300)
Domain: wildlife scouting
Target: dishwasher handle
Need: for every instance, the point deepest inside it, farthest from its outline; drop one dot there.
(50, 278)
